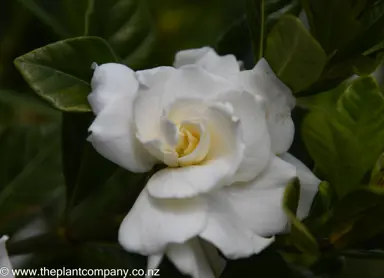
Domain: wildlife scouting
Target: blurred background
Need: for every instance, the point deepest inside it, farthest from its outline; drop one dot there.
(32, 184)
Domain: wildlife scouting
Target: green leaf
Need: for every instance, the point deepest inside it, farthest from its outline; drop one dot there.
(346, 138)
(300, 236)
(100, 214)
(377, 175)
(85, 170)
(321, 206)
(356, 218)
(268, 264)
(256, 17)
(36, 8)
(30, 172)
(372, 31)
(296, 57)
(60, 72)
(127, 25)
(99, 255)
(332, 23)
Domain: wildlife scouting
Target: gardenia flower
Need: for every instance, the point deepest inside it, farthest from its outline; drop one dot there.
(5, 264)
(223, 134)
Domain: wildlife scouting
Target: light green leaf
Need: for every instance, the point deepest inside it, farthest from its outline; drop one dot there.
(296, 57)
(346, 138)
(61, 72)
(300, 236)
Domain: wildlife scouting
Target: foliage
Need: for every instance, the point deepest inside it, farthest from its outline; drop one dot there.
(51, 175)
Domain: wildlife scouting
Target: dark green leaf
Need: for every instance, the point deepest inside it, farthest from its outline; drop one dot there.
(60, 72)
(299, 235)
(321, 206)
(332, 23)
(346, 138)
(30, 172)
(372, 30)
(84, 169)
(256, 17)
(268, 264)
(100, 214)
(356, 218)
(98, 255)
(296, 57)
(377, 175)
(367, 268)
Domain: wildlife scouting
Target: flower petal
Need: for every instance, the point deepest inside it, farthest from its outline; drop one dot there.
(259, 203)
(216, 261)
(227, 232)
(152, 224)
(4, 259)
(109, 82)
(113, 136)
(224, 156)
(261, 80)
(309, 185)
(207, 58)
(147, 107)
(190, 259)
(153, 262)
(250, 109)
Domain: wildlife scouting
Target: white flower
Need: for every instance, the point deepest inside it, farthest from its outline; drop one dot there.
(5, 264)
(220, 131)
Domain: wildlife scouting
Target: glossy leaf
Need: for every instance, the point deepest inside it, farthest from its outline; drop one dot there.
(294, 55)
(346, 139)
(299, 234)
(61, 72)
(127, 25)
(321, 206)
(256, 17)
(101, 213)
(85, 170)
(356, 218)
(333, 23)
(377, 175)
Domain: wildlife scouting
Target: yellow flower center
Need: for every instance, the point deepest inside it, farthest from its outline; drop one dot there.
(188, 140)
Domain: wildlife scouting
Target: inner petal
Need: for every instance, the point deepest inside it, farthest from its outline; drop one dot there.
(195, 143)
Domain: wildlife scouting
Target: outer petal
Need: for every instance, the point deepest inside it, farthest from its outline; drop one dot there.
(190, 259)
(111, 81)
(147, 107)
(113, 136)
(153, 263)
(216, 261)
(309, 185)
(4, 260)
(250, 109)
(207, 58)
(262, 81)
(228, 232)
(152, 224)
(259, 202)
(224, 157)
